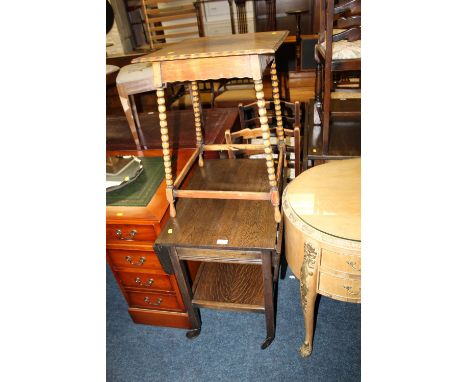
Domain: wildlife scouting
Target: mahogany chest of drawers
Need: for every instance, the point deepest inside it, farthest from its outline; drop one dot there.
(152, 295)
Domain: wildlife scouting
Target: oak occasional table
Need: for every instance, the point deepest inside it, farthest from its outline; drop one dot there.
(212, 58)
(235, 241)
(322, 222)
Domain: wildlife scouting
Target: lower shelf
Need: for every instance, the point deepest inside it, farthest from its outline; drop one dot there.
(160, 318)
(230, 287)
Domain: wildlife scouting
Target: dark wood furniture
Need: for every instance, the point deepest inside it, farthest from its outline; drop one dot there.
(153, 295)
(245, 55)
(217, 121)
(236, 240)
(344, 140)
(298, 13)
(338, 50)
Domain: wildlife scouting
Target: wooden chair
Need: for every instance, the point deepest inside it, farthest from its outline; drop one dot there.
(166, 22)
(250, 132)
(234, 91)
(133, 79)
(169, 21)
(338, 50)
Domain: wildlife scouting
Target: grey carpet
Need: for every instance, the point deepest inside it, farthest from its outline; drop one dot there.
(228, 348)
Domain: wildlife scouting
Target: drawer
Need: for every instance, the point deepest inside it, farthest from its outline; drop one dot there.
(160, 318)
(151, 300)
(342, 263)
(134, 259)
(341, 288)
(148, 281)
(130, 232)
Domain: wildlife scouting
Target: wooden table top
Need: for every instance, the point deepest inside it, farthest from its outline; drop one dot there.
(180, 122)
(245, 224)
(328, 198)
(219, 46)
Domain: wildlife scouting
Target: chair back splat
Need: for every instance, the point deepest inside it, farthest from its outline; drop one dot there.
(167, 22)
(251, 133)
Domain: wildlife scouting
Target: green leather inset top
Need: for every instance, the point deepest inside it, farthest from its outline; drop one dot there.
(139, 192)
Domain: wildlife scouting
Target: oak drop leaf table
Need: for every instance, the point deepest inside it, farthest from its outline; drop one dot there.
(236, 241)
(322, 222)
(211, 58)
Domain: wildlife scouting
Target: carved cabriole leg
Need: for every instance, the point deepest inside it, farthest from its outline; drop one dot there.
(308, 295)
(195, 95)
(267, 147)
(165, 146)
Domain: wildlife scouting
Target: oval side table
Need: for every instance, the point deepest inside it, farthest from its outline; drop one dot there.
(322, 217)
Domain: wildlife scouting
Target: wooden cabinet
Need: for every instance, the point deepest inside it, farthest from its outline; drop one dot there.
(153, 296)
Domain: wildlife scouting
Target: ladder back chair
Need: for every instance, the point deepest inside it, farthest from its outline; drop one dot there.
(250, 131)
(171, 21)
(234, 91)
(337, 51)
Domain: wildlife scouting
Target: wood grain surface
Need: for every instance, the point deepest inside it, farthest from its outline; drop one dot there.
(219, 46)
(202, 222)
(180, 123)
(229, 286)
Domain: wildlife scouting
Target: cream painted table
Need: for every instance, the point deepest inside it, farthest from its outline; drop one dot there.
(211, 58)
(322, 218)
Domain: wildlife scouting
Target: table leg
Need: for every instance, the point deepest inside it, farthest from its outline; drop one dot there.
(195, 95)
(277, 102)
(268, 299)
(308, 295)
(180, 272)
(165, 146)
(267, 147)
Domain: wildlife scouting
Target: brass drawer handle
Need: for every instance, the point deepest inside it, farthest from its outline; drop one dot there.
(147, 284)
(139, 262)
(348, 289)
(157, 303)
(133, 233)
(352, 264)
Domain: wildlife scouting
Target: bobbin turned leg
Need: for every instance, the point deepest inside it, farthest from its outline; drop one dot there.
(277, 102)
(279, 118)
(267, 147)
(165, 146)
(308, 296)
(195, 95)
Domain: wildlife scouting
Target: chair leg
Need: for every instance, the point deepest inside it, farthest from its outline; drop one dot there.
(137, 121)
(297, 151)
(326, 110)
(127, 107)
(318, 84)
